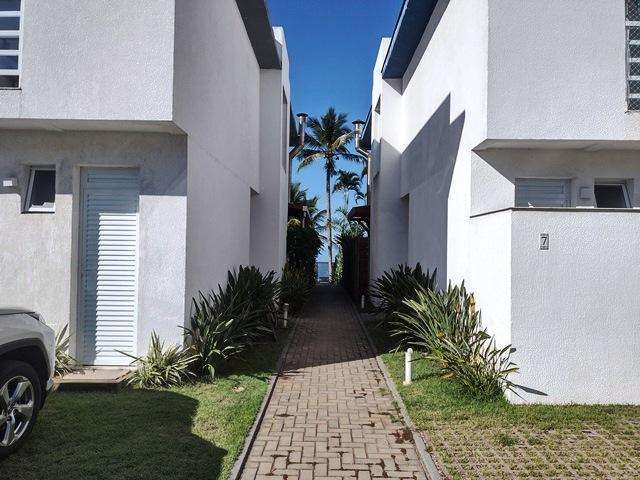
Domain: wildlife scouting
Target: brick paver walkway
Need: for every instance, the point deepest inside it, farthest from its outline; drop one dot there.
(331, 415)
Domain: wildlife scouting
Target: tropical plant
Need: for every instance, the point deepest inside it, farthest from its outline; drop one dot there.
(160, 367)
(347, 182)
(303, 246)
(398, 285)
(64, 361)
(317, 217)
(447, 328)
(295, 288)
(327, 141)
(226, 322)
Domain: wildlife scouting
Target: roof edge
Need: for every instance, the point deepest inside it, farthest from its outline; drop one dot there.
(257, 23)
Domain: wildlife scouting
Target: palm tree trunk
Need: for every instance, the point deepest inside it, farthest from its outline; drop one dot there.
(329, 226)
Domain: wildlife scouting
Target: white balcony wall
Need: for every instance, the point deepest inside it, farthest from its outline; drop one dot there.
(557, 71)
(101, 60)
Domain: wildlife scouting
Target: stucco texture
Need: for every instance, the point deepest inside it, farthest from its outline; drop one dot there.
(38, 251)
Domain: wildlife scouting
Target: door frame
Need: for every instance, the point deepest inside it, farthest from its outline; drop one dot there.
(80, 173)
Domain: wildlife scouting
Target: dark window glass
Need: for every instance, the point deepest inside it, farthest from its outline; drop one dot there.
(634, 33)
(8, 62)
(9, 81)
(9, 44)
(9, 23)
(634, 51)
(9, 5)
(610, 196)
(43, 189)
(633, 10)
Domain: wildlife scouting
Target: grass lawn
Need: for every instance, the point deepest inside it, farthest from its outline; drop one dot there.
(193, 432)
(496, 440)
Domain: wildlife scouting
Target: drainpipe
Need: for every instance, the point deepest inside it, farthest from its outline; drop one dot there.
(302, 122)
(358, 125)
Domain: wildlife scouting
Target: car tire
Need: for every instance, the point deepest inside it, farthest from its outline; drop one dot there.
(16, 377)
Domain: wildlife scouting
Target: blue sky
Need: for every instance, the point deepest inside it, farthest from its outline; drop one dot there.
(332, 48)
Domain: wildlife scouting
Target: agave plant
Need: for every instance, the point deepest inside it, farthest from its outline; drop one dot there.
(295, 288)
(447, 328)
(398, 285)
(64, 361)
(160, 367)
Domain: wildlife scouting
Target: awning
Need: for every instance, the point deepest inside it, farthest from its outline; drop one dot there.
(360, 214)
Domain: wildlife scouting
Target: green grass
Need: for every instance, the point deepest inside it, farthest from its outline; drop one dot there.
(193, 432)
(496, 439)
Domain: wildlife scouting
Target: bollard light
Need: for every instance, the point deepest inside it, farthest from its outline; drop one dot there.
(407, 366)
(286, 314)
(362, 302)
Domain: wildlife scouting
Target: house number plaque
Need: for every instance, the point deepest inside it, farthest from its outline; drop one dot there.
(544, 241)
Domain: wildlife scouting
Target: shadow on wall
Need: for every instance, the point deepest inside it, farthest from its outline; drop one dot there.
(428, 163)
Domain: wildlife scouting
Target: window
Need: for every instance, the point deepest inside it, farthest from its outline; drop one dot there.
(41, 193)
(611, 195)
(10, 42)
(543, 192)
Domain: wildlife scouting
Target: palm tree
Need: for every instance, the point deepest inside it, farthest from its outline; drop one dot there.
(327, 141)
(300, 196)
(349, 182)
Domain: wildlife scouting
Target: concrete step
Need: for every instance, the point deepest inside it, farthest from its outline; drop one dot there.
(93, 379)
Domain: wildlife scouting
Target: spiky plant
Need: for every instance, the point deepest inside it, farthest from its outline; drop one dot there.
(64, 361)
(160, 367)
(295, 288)
(399, 285)
(226, 322)
(447, 328)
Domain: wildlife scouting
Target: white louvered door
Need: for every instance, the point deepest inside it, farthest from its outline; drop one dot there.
(109, 265)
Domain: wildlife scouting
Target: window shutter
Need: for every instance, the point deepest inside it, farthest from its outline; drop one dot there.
(539, 192)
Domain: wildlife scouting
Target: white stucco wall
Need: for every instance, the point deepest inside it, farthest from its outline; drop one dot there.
(95, 60)
(269, 206)
(575, 307)
(38, 252)
(217, 103)
(425, 136)
(557, 70)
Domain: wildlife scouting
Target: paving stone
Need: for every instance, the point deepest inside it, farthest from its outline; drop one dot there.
(331, 416)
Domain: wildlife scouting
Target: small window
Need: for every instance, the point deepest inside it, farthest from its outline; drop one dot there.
(611, 195)
(10, 43)
(41, 193)
(543, 192)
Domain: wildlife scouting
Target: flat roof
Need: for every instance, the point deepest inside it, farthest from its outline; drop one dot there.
(410, 26)
(255, 16)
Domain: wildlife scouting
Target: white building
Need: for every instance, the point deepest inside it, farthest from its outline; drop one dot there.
(505, 137)
(143, 154)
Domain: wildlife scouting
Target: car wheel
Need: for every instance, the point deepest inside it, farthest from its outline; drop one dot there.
(20, 397)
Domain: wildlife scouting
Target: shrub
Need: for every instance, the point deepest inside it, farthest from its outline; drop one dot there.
(294, 289)
(64, 361)
(398, 285)
(162, 368)
(447, 328)
(225, 323)
(303, 246)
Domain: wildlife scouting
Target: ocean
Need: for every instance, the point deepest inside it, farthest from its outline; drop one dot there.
(323, 270)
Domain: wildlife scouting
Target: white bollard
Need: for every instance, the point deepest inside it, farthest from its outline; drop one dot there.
(362, 302)
(286, 314)
(407, 366)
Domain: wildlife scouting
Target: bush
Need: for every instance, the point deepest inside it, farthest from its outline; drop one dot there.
(162, 368)
(64, 361)
(225, 323)
(303, 246)
(294, 288)
(398, 285)
(447, 328)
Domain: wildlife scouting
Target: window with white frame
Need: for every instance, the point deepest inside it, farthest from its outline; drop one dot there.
(611, 195)
(633, 54)
(543, 192)
(10, 42)
(41, 191)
